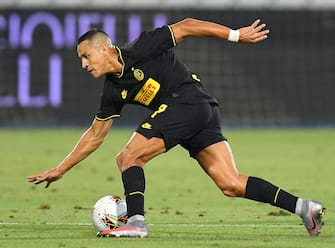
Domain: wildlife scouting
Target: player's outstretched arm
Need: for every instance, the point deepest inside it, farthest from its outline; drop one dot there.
(193, 27)
(89, 142)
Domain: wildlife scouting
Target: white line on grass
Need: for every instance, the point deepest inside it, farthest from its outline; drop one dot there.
(158, 224)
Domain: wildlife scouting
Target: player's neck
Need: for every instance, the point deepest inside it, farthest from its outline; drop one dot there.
(115, 62)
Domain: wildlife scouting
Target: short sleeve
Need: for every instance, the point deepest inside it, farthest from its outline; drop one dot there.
(152, 43)
(109, 109)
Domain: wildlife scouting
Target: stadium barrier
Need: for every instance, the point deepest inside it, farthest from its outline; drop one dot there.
(286, 80)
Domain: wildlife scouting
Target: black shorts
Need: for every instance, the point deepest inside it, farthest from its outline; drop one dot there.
(193, 126)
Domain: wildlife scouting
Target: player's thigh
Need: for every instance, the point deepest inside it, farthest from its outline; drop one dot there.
(218, 162)
(139, 150)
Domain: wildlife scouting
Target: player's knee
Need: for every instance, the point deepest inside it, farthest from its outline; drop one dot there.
(125, 160)
(232, 189)
(119, 160)
(231, 192)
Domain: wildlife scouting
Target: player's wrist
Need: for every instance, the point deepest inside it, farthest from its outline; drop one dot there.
(234, 35)
(60, 170)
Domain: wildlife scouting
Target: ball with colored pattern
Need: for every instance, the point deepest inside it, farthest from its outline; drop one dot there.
(109, 212)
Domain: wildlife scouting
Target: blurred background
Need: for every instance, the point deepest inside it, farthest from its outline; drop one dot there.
(288, 80)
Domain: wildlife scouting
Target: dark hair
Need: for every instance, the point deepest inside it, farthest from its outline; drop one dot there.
(89, 35)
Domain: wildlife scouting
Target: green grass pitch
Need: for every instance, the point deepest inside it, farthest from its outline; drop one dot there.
(183, 206)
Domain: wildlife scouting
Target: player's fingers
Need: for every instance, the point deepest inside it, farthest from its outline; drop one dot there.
(260, 38)
(260, 34)
(255, 23)
(47, 185)
(32, 178)
(39, 180)
(36, 179)
(260, 27)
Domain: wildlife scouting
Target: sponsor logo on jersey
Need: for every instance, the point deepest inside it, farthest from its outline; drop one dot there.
(195, 77)
(148, 92)
(146, 125)
(124, 94)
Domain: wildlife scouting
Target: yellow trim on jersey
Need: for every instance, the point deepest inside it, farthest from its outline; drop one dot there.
(107, 118)
(122, 62)
(148, 92)
(172, 36)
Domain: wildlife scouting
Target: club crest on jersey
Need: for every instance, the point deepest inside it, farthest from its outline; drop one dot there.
(124, 94)
(138, 74)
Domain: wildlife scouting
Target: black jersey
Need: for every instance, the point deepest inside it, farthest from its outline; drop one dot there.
(151, 75)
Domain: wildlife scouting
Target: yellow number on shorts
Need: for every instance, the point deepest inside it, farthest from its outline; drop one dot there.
(161, 109)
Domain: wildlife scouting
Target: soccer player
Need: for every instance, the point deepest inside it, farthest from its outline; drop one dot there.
(148, 73)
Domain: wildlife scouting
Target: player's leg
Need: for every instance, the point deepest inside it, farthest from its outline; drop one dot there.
(166, 127)
(130, 161)
(218, 162)
(139, 150)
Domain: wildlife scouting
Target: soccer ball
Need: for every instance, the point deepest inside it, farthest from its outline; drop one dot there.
(109, 212)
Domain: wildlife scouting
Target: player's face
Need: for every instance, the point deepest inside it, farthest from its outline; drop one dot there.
(91, 59)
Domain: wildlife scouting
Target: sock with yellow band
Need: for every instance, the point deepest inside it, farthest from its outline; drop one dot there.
(262, 191)
(134, 186)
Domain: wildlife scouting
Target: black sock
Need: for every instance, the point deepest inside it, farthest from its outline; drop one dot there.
(134, 186)
(260, 190)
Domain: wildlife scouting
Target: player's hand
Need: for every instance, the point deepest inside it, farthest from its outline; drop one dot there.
(253, 33)
(48, 176)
